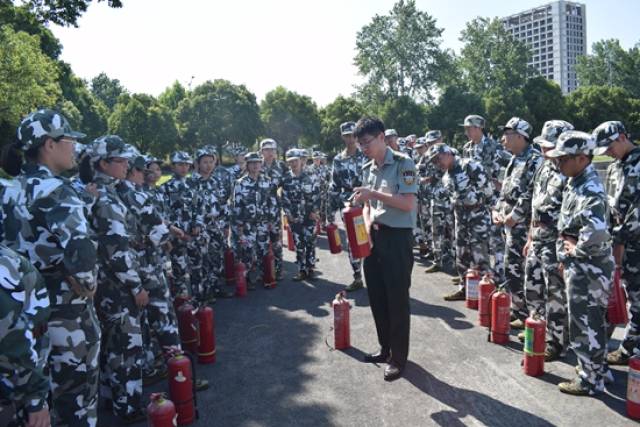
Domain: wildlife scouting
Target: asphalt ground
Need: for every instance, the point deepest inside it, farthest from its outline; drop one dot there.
(276, 365)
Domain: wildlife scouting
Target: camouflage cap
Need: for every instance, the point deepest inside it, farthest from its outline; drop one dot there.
(181, 157)
(347, 128)
(235, 149)
(573, 142)
(207, 150)
(137, 161)
(292, 153)
(421, 142)
(474, 121)
(268, 143)
(551, 130)
(520, 126)
(438, 148)
(390, 132)
(150, 159)
(252, 157)
(34, 129)
(318, 155)
(109, 147)
(433, 135)
(605, 134)
(411, 138)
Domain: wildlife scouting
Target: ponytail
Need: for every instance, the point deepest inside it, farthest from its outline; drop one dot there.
(12, 159)
(86, 170)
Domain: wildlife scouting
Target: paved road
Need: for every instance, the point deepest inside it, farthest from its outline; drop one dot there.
(276, 366)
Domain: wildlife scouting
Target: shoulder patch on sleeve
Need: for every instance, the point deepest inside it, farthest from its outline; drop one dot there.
(409, 176)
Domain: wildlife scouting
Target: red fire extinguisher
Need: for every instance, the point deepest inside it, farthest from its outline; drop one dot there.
(291, 245)
(633, 388)
(229, 262)
(333, 235)
(500, 317)
(188, 327)
(617, 309)
(269, 269)
(473, 280)
(161, 412)
(535, 329)
(341, 329)
(207, 328)
(182, 387)
(241, 280)
(485, 289)
(356, 232)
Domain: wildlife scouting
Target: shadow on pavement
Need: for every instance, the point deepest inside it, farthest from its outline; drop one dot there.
(464, 402)
(453, 318)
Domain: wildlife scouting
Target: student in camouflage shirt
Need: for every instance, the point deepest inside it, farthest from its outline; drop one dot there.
(584, 252)
(423, 234)
(301, 204)
(513, 210)
(46, 222)
(121, 295)
(250, 210)
(274, 170)
(24, 342)
(544, 285)
(623, 189)
(346, 174)
(323, 175)
(467, 185)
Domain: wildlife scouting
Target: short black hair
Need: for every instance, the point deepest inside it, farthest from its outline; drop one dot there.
(368, 126)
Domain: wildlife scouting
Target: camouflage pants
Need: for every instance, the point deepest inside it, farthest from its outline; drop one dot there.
(588, 287)
(545, 291)
(159, 324)
(516, 238)
(74, 332)
(214, 262)
(443, 235)
(497, 248)
(305, 241)
(356, 263)
(275, 237)
(425, 225)
(121, 359)
(197, 251)
(472, 240)
(252, 246)
(631, 275)
(181, 269)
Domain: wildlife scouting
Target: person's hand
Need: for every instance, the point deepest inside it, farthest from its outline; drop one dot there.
(509, 221)
(497, 184)
(561, 268)
(167, 246)
(362, 194)
(496, 218)
(39, 418)
(525, 249)
(177, 232)
(79, 290)
(618, 254)
(569, 245)
(142, 298)
(92, 189)
(314, 216)
(195, 231)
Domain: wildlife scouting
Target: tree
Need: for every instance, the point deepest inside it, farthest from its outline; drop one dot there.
(63, 12)
(217, 112)
(107, 90)
(588, 106)
(290, 118)
(28, 79)
(399, 54)
(544, 101)
(501, 104)
(610, 65)
(20, 18)
(339, 111)
(172, 96)
(144, 122)
(491, 58)
(454, 105)
(404, 115)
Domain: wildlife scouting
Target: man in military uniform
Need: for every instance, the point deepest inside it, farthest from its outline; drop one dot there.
(623, 189)
(493, 158)
(544, 285)
(513, 210)
(301, 204)
(274, 170)
(251, 204)
(468, 186)
(46, 221)
(346, 174)
(584, 252)
(389, 197)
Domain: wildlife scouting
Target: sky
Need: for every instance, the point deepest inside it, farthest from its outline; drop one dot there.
(306, 46)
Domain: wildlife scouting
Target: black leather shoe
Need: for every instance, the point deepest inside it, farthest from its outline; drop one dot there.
(392, 372)
(379, 357)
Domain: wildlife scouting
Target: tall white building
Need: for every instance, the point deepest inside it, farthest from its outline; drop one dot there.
(556, 33)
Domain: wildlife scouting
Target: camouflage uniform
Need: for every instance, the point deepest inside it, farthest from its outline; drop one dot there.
(346, 174)
(467, 185)
(544, 285)
(24, 341)
(275, 173)
(425, 236)
(323, 174)
(300, 198)
(589, 268)
(515, 200)
(250, 212)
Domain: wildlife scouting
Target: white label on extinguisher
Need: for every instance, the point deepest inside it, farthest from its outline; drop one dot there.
(180, 377)
(633, 386)
(361, 230)
(472, 289)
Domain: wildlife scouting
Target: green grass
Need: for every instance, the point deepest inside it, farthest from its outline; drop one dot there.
(602, 159)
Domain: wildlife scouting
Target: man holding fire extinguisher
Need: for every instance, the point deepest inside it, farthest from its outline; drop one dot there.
(389, 198)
